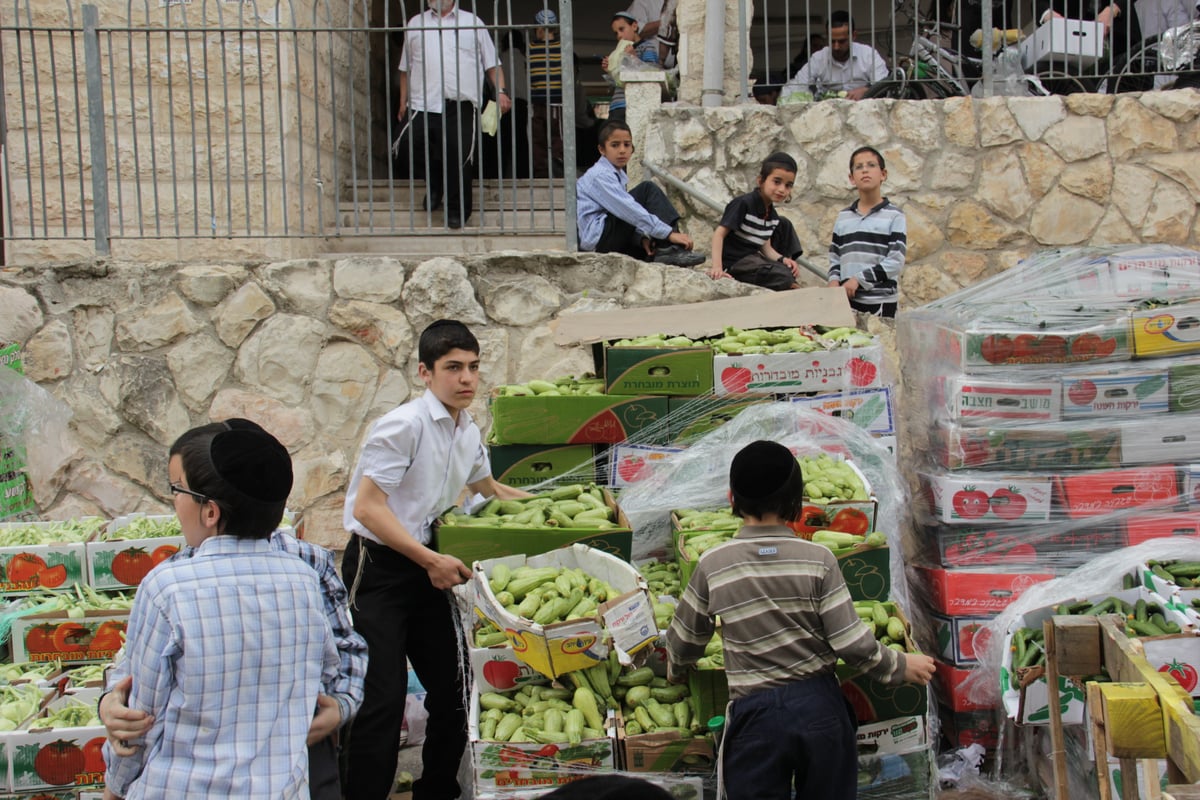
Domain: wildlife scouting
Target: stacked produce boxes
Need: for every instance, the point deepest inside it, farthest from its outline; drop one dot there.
(1051, 412)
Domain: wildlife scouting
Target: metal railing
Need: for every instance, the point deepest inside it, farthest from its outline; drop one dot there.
(194, 120)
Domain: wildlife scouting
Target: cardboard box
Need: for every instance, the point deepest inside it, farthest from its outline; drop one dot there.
(53, 567)
(497, 669)
(1154, 440)
(1157, 272)
(1046, 545)
(976, 592)
(523, 465)
(575, 419)
(870, 410)
(873, 700)
(1184, 388)
(988, 499)
(679, 371)
(1077, 42)
(1161, 526)
(1097, 493)
(1191, 484)
(82, 769)
(472, 543)
(1028, 449)
(515, 768)
(116, 563)
(961, 639)
(1169, 331)
(892, 735)
(664, 751)
(709, 693)
(965, 728)
(1178, 655)
(568, 646)
(950, 683)
(692, 417)
(867, 571)
(56, 637)
(629, 464)
(998, 346)
(897, 776)
(789, 373)
(977, 400)
(1114, 394)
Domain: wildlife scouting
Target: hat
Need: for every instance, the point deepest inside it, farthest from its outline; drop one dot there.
(545, 17)
(629, 16)
(760, 469)
(252, 462)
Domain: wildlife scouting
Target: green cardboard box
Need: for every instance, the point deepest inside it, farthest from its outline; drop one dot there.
(709, 693)
(680, 371)
(1184, 387)
(691, 417)
(574, 419)
(528, 464)
(872, 700)
(867, 571)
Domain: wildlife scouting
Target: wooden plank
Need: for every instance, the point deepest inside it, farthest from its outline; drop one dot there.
(1078, 644)
(1182, 792)
(1095, 716)
(1133, 721)
(1058, 746)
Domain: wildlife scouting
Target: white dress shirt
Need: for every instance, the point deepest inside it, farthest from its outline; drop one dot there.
(445, 58)
(864, 67)
(422, 460)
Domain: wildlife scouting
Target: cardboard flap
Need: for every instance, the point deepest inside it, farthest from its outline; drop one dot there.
(823, 306)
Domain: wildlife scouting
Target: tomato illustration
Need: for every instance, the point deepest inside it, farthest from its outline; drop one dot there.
(1053, 348)
(974, 452)
(548, 751)
(59, 762)
(862, 372)
(93, 755)
(996, 349)
(812, 519)
(736, 380)
(1008, 504)
(71, 637)
(40, 638)
(53, 577)
(162, 553)
(632, 468)
(131, 565)
(970, 503)
(501, 674)
(850, 520)
(107, 638)
(1086, 345)
(24, 567)
(1082, 392)
(1024, 347)
(1106, 347)
(1184, 673)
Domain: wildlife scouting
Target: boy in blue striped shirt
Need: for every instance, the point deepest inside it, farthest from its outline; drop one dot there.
(869, 240)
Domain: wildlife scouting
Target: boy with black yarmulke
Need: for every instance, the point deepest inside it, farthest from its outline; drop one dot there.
(786, 617)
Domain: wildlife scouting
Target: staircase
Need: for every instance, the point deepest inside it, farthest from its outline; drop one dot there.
(383, 217)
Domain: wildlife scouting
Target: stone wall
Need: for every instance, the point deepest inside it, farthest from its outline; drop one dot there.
(315, 350)
(983, 183)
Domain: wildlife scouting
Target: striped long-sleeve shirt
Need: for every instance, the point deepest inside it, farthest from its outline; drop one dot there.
(870, 247)
(785, 611)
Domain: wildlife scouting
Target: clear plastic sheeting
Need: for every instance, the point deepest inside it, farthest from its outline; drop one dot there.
(35, 422)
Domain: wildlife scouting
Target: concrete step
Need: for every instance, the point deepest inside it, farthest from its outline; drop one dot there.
(441, 243)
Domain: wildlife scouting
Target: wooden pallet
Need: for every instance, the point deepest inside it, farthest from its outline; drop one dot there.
(1140, 715)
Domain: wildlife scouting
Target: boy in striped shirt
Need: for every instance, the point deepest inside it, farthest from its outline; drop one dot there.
(869, 240)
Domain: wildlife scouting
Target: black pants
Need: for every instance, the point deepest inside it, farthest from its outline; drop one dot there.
(323, 781)
(801, 735)
(762, 271)
(619, 236)
(443, 153)
(394, 606)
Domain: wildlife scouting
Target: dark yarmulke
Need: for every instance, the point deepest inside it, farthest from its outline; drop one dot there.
(760, 469)
(252, 461)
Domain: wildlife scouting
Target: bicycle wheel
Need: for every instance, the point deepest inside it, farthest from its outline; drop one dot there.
(895, 90)
(1058, 81)
(1136, 74)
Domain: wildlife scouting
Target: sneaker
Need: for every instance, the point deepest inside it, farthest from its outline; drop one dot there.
(678, 256)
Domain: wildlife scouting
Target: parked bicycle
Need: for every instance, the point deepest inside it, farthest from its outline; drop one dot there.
(1170, 60)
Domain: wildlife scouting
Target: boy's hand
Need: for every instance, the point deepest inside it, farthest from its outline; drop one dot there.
(793, 266)
(122, 723)
(681, 239)
(833, 284)
(504, 102)
(604, 63)
(851, 287)
(918, 668)
(325, 721)
(648, 246)
(716, 273)
(446, 572)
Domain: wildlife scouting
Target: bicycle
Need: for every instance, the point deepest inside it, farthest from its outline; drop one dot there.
(1167, 61)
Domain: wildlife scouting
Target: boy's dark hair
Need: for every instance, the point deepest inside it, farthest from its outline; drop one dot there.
(764, 478)
(839, 19)
(867, 149)
(777, 160)
(609, 128)
(240, 468)
(443, 336)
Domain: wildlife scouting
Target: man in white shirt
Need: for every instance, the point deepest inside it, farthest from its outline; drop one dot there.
(446, 53)
(413, 466)
(844, 66)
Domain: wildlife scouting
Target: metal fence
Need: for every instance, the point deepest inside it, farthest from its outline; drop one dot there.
(212, 119)
(936, 48)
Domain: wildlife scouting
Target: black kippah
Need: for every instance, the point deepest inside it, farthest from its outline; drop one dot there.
(252, 462)
(760, 469)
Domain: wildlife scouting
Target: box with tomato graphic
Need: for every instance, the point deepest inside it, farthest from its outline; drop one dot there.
(1177, 655)
(123, 563)
(96, 636)
(1115, 393)
(789, 373)
(870, 409)
(1143, 528)
(573, 419)
(1002, 346)
(518, 769)
(987, 498)
(1092, 494)
(679, 371)
(1166, 330)
(1033, 448)
(53, 758)
(497, 669)
(630, 464)
(626, 621)
(976, 400)
(526, 464)
(1060, 545)
(976, 592)
(961, 639)
(37, 567)
(952, 689)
